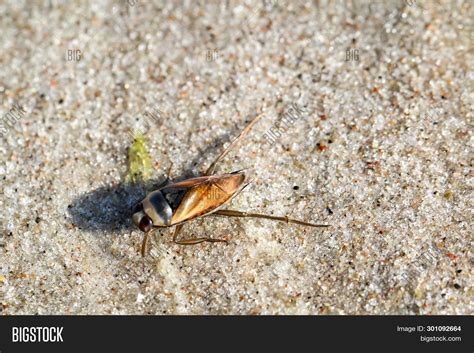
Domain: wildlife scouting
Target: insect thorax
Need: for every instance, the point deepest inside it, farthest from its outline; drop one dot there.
(157, 207)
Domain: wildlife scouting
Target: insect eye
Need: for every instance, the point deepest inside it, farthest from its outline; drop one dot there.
(138, 207)
(145, 224)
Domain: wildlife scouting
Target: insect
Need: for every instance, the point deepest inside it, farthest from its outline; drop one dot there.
(204, 196)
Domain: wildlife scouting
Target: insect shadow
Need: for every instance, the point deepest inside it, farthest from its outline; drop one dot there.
(108, 209)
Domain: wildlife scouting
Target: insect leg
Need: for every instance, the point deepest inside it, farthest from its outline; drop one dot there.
(168, 173)
(145, 241)
(177, 230)
(192, 241)
(168, 178)
(233, 213)
(165, 182)
(195, 241)
(234, 143)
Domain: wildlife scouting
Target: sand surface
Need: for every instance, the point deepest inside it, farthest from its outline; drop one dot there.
(381, 149)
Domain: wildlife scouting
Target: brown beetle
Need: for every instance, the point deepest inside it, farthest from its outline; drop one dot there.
(155, 211)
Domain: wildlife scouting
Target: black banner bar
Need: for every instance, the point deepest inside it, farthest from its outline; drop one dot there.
(294, 334)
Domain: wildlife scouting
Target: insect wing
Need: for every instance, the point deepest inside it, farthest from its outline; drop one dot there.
(207, 196)
(188, 183)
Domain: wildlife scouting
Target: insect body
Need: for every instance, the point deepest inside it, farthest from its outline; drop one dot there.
(205, 195)
(155, 211)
